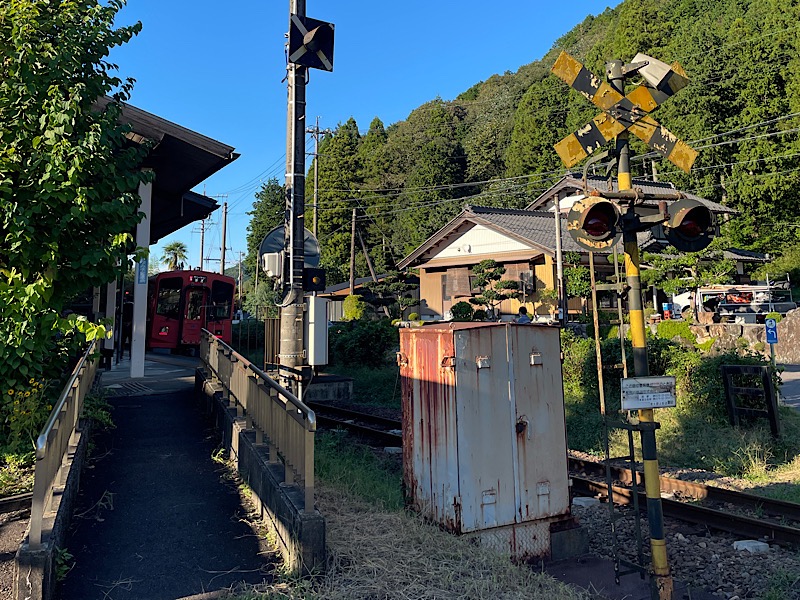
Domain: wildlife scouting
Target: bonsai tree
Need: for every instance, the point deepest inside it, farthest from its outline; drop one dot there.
(494, 290)
(392, 289)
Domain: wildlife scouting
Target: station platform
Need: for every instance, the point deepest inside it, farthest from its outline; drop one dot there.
(156, 516)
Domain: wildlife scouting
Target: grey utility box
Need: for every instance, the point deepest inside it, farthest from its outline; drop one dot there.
(483, 432)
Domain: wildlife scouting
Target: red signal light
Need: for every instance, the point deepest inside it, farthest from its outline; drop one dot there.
(691, 226)
(594, 223)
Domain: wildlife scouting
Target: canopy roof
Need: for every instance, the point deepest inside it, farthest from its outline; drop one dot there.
(181, 159)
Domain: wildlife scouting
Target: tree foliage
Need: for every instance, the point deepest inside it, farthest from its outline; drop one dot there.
(494, 289)
(68, 180)
(493, 144)
(268, 213)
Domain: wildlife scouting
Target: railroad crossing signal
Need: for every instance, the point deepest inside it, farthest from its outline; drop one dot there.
(310, 42)
(621, 113)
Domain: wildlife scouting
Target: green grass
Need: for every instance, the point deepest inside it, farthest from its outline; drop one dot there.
(372, 385)
(16, 473)
(358, 470)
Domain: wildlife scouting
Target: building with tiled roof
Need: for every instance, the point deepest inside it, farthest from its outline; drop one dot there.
(524, 242)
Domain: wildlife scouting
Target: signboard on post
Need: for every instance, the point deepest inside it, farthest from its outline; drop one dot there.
(648, 392)
(772, 330)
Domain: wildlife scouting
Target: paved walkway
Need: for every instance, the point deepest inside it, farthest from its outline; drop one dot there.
(790, 390)
(156, 518)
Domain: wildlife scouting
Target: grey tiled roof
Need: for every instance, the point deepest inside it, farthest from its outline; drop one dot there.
(538, 227)
(575, 180)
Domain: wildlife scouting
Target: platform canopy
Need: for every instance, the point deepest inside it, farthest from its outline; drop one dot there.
(181, 159)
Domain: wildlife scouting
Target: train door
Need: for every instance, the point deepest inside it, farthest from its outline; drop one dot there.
(194, 315)
(165, 313)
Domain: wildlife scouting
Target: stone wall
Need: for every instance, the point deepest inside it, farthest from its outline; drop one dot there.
(787, 350)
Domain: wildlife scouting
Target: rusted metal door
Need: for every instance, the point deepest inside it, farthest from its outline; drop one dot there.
(430, 450)
(485, 421)
(539, 431)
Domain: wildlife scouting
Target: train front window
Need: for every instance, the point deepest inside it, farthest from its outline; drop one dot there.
(169, 297)
(221, 301)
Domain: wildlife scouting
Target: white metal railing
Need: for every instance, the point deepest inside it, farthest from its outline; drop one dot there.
(57, 439)
(280, 419)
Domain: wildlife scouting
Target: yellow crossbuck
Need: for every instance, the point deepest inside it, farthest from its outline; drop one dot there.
(620, 113)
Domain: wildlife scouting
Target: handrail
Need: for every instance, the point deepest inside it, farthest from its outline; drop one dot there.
(308, 413)
(59, 431)
(41, 441)
(279, 418)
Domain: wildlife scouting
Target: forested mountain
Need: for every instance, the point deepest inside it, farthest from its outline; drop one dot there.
(493, 144)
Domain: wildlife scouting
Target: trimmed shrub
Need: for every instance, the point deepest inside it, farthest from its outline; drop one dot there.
(364, 343)
(413, 316)
(462, 311)
(354, 308)
(479, 315)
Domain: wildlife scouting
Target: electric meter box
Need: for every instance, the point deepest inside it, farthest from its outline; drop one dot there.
(316, 330)
(484, 438)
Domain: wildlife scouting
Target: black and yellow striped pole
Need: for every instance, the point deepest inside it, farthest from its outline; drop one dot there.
(655, 514)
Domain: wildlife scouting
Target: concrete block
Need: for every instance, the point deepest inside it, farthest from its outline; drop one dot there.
(585, 501)
(569, 543)
(752, 546)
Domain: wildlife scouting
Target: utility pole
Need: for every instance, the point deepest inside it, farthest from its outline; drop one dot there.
(315, 131)
(658, 547)
(561, 296)
(224, 235)
(353, 255)
(292, 340)
(239, 283)
(202, 242)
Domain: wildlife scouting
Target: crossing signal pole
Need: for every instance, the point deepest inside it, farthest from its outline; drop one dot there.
(310, 45)
(598, 221)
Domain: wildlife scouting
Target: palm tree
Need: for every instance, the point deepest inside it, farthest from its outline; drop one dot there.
(174, 255)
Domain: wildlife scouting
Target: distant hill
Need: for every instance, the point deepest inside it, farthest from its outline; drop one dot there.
(493, 144)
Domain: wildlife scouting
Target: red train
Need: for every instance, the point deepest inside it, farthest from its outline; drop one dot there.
(181, 303)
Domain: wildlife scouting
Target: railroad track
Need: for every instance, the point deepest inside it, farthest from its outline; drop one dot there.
(705, 505)
(370, 427)
(770, 522)
(15, 503)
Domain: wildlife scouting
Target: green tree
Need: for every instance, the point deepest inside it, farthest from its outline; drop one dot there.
(494, 289)
(267, 214)
(174, 255)
(577, 278)
(392, 290)
(68, 181)
(674, 272)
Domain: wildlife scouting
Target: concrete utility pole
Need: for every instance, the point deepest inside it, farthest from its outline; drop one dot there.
(561, 297)
(353, 255)
(292, 343)
(202, 242)
(224, 235)
(658, 546)
(316, 131)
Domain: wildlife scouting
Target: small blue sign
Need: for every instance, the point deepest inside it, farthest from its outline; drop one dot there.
(772, 330)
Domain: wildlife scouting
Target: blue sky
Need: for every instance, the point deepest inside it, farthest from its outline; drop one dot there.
(217, 68)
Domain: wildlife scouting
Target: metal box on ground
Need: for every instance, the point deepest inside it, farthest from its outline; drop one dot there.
(484, 440)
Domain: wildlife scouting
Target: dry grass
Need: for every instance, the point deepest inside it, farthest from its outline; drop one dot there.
(378, 554)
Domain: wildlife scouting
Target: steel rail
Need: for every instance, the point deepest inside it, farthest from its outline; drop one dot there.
(15, 503)
(700, 491)
(692, 513)
(353, 414)
(393, 440)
